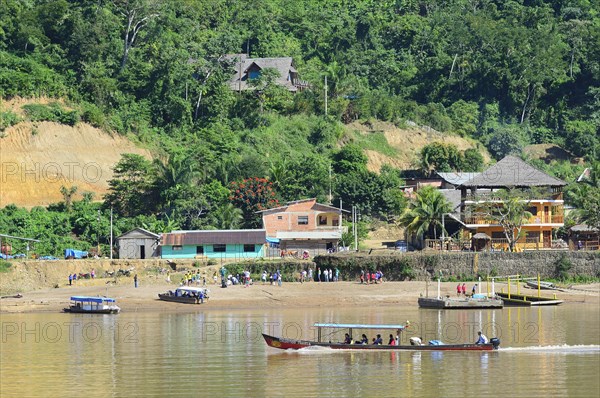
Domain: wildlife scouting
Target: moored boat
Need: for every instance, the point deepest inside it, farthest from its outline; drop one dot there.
(434, 345)
(534, 284)
(186, 295)
(92, 305)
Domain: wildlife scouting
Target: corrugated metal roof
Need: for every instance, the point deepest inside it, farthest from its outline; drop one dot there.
(215, 237)
(142, 231)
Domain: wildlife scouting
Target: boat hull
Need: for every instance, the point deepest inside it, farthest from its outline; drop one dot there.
(75, 310)
(184, 300)
(289, 344)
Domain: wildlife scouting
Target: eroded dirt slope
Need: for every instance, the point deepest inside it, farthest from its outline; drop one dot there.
(36, 159)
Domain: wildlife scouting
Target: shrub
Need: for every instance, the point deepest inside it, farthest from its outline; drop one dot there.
(562, 267)
(8, 119)
(4, 265)
(52, 112)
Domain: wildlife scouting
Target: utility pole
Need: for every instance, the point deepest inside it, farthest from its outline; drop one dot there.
(330, 196)
(325, 95)
(111, 233)
(98, 241)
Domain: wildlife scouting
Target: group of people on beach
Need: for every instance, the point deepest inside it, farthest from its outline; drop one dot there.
(191, 278)
(328, 275)
(73, 277)
(370, 277)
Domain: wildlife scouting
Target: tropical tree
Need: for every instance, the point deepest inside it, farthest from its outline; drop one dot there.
(423, 217)
(510, 213)
(252, 195)
(227, 216)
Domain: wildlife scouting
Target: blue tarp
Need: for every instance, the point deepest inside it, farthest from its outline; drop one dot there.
(273, 242)
(75, 253)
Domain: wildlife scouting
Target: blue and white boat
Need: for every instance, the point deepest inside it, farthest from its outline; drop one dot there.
(92, 305)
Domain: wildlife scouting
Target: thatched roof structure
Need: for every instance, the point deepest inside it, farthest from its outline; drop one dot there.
(512, 172)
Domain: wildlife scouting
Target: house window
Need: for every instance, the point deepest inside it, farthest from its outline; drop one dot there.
(335, 222)
(280, 217)
(322, 220)
(302, 220)
(219, 248)
(498, 235)
(177, 247)
(199, 249)
(248, 248)
(253, 74)
(532, 210)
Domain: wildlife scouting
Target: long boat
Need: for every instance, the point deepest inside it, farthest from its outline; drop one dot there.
(293, 344)
(92, 305)
(186, 295)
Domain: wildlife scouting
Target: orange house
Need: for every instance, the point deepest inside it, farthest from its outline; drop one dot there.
(547, 208)
(304, 225)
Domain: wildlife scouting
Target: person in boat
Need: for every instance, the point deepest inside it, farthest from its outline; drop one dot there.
(416, 341)
(364, 339)
(378, 340)
(347, 339)
(392, 340)
(482, 339)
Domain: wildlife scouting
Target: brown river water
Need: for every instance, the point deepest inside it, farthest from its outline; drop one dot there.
(552, 351)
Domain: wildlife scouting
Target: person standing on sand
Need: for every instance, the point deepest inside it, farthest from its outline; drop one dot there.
(464, 289)
(458, 290)
(135, 280)
(70, 280)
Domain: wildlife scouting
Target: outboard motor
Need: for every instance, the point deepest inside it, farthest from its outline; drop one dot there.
(415, 341)
(495, 342)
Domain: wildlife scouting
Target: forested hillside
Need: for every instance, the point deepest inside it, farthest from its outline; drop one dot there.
(503, 74)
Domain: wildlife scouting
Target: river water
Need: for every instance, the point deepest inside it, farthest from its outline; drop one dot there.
(552, 351)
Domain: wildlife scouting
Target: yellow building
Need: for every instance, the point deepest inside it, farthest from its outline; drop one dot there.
(547, 207)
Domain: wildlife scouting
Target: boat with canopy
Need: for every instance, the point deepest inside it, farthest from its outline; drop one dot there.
(92, 305)
(416, 344)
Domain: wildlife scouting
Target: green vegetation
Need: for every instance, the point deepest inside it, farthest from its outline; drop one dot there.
(4, 266)
(503, 74)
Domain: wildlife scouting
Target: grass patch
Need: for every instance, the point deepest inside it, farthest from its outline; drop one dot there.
(4, 265)
(375, 141)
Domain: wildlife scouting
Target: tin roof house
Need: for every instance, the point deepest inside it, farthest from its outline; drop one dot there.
(216, 244)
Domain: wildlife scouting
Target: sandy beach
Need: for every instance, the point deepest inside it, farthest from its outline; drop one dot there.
(290, 295)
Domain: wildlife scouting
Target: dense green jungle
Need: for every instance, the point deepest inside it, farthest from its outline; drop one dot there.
(504, 73)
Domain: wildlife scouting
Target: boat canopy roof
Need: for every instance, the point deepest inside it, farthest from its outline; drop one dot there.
(93, 299)
(191, 289)
(357, 326)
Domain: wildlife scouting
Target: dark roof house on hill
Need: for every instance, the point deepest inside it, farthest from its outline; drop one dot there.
(246, 69)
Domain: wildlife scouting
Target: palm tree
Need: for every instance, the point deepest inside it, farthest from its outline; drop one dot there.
(424, 213)
(227, 217)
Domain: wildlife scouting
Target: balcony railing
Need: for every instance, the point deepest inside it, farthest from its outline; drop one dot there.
(495, 196)
(539, 219)
(496, 244)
